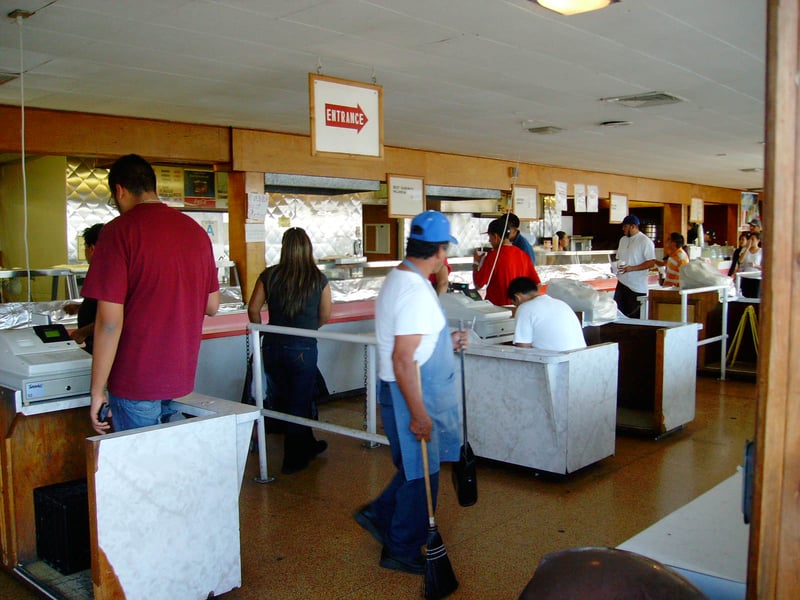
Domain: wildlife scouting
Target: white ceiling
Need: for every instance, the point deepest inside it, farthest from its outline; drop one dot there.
(462, 76)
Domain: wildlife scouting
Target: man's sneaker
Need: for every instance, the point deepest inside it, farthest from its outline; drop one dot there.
(366, 518)
(414, 566)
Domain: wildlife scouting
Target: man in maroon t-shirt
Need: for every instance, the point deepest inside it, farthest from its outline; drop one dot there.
(154, 277)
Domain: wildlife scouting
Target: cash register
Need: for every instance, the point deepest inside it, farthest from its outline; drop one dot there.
(491, 323)
(42, 364)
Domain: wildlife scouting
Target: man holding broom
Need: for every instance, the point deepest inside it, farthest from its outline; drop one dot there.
(417, 394)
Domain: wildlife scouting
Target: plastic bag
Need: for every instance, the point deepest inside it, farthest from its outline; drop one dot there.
(596, 307)
(698, 273)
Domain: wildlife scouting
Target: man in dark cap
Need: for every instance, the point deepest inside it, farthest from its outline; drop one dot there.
(635, 255)
(504, 263)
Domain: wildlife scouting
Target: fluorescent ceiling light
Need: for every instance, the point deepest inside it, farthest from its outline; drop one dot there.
(573, 7)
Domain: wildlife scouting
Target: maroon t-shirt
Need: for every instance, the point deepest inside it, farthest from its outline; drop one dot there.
(158, 263)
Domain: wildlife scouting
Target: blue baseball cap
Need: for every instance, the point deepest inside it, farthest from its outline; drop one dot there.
(431, 226)
(631, 220)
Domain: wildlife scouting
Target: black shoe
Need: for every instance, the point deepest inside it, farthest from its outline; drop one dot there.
(413, 566)
(318, 447)
(295, 455)
(366, 518)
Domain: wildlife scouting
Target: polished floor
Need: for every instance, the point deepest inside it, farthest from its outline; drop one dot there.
(299, 540)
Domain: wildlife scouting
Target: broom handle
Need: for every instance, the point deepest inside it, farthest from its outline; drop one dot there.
(426, 468)
(463, 385)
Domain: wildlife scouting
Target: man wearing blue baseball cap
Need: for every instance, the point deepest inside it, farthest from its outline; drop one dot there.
(635, 255)
(411, 330)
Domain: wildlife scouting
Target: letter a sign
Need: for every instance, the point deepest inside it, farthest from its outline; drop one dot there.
(346, 116)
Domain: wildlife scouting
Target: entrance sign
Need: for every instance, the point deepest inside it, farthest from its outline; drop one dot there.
(346, 116)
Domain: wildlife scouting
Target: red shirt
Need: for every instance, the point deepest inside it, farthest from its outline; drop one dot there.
(159, 264)
(511, 264)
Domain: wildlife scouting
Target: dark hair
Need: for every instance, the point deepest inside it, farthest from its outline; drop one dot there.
(133, 173)
(561, 234)
(676, 238)
(513, 220)
(498, 227)
(90, 234)
(755, 234)
(522, 285)
(296, 275)
(420, 249)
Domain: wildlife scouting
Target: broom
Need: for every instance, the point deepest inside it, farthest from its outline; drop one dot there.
(440, 581)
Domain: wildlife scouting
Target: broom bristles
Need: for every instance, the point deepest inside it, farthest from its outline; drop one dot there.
(440, 581)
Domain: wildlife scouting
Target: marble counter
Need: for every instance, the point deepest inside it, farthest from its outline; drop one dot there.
(553, 411)
(164, 503)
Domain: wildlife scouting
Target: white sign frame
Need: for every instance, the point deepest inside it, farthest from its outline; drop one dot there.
(525, 202)
(406, 195)
(359, 131)
(618, 207)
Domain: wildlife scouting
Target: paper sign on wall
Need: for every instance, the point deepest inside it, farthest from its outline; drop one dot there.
(257, 206)
(619, 208)
(525, 202)
(561, 196)
(406, 196)
(580, 198)
(696, 211)
(592, 198)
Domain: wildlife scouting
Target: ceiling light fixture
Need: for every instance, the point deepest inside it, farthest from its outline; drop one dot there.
(574, 7)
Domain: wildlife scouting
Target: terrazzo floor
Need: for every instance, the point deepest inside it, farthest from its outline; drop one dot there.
(299, 539)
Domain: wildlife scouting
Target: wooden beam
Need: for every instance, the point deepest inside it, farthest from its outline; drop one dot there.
(775, 529)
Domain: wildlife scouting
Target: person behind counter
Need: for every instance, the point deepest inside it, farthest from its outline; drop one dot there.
(750, 262)
(298, 295)
(504, 263)
(517, 239)
(86, 310)
(563, 241)
(154, 276)
(676, 258)
(635, 255)
(414, 343)
(542, 321)
(744, 242)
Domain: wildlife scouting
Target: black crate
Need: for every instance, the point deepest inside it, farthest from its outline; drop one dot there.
(62, 526)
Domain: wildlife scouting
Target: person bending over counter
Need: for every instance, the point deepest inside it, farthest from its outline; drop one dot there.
(297, 294)
(155, 278)
(511, 262)
(635, 255)
(676, 258)
(542, 321)
(86, 310)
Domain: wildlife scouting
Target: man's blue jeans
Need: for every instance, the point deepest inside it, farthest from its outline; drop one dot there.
(402, 508)
(133, 414)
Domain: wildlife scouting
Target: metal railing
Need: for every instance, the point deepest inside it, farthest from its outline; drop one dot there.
(370, 435)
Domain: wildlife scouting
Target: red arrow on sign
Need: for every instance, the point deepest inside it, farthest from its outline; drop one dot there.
(347, 117)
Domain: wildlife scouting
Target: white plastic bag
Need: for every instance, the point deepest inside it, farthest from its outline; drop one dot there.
(698, 273)
(596, 306)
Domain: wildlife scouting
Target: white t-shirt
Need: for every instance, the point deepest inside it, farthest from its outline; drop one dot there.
(750, 261)
(407, 305)
(634, 251)
(549, 324)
